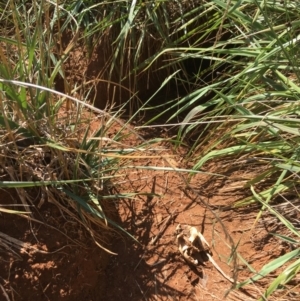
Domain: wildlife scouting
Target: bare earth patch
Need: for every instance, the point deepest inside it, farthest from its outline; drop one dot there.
(61, 262)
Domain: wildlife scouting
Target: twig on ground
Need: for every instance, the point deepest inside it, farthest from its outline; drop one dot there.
(157, 263)
(140, 290)
(4, 293)
(139, 262)
(163, 228)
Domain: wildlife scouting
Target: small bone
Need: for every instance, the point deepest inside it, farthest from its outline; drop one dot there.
(198, 240)
(185, 248)
(194, 245)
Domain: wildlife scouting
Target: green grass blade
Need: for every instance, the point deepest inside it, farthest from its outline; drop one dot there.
(270, 267)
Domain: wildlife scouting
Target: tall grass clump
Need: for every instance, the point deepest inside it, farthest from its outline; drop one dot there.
(239, 65)
(127, 36)
(251, 119)
(53, 147)
(49, 146)
(234, 64)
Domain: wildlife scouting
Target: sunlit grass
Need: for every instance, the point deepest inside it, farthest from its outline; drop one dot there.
(241, 101)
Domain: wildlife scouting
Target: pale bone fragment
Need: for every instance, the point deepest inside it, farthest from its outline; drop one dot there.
(186, 248)
(197, 237)
(195, 244)
(219, 269)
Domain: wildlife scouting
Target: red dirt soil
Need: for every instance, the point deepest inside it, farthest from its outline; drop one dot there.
(72, 267)
(153, 268)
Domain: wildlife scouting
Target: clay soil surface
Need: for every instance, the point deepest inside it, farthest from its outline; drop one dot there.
(59, 261)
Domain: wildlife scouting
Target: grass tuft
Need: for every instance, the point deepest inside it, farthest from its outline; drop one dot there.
(233, 67)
